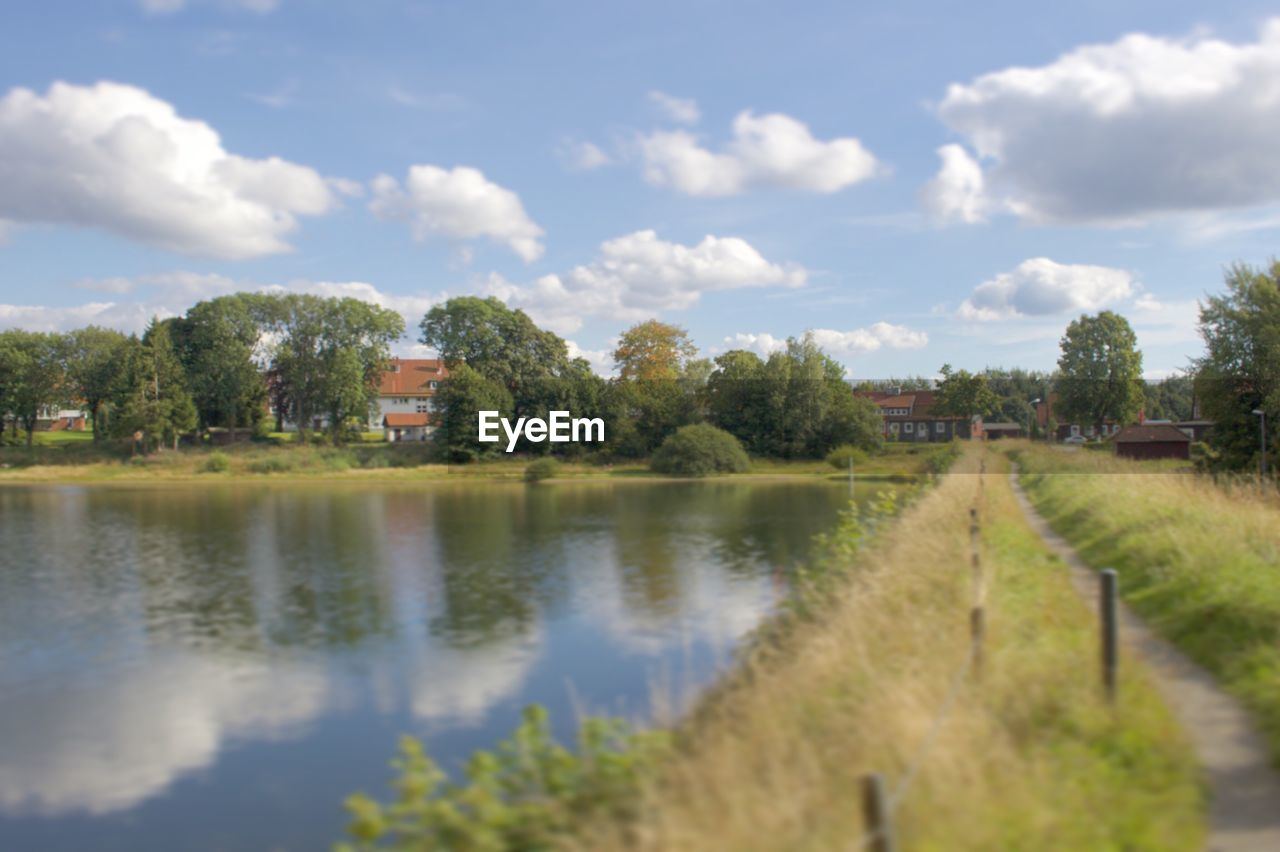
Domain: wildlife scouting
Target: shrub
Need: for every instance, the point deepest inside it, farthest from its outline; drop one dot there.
(699, 450)
(527, 793)
(272, 464)
(843, 455)
(543, 468)
(218, 462)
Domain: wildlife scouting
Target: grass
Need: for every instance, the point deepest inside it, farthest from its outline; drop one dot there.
(1198, 559)
(82, 461)
(1030, 757)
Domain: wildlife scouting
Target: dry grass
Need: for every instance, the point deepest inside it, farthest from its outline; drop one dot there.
(1199, 559)
(1032, 758)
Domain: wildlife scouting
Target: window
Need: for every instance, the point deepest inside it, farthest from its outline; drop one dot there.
(1075, 430)
(909, 428)
(433, 384)
(423, 407)
(940, 427)
(893, 428)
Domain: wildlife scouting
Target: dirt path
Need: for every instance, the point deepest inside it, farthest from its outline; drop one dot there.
(1244, 788)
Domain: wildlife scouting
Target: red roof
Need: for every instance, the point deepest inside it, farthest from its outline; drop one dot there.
(411, 377)
(1156, 434)
(404, 420)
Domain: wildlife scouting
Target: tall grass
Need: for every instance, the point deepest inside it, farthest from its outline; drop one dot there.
(1198, 559)
(1030, 757)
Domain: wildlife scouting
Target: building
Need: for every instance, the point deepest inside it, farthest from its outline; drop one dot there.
(397, 427)
(54, 419)
(406, 387)
(907, 417)
(1046, 412)
(996, 431)
(1153, 441)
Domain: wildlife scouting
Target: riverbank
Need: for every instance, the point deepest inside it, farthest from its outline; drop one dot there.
(1029, 755)
(81, 462)
(1197, 560)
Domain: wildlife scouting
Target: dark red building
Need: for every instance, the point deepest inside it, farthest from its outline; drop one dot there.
(1153, 441)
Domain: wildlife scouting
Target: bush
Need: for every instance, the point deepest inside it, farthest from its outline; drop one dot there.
(699, 450)
(841, 457)
(218, 462)
(272, 464)
(543, 468)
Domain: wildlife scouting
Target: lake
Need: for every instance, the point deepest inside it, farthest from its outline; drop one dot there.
(217, 667)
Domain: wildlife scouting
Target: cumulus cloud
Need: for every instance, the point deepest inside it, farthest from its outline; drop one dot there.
(601, 360)
(772, 150)
(639, 275)
(680, 110)
(870, 339)
(115, 157)
(958, 192)
(1040, 287)
(458, 204)
(1125, 131)
(583, 156)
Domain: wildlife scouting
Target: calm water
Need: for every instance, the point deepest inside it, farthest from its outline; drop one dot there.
(216, 668)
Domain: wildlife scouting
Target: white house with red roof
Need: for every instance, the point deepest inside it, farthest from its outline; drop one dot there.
(406, 407)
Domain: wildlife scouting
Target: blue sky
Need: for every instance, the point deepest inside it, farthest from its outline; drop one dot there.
(919, 183)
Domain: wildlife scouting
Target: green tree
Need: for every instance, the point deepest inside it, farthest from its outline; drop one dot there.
(151, 396)
(1099, 371)
(1240, 370)
(735, 397)
(32, 375)
(93, 362)
(963, 394)
(218, 341)
(1170, 399)
(459, 401)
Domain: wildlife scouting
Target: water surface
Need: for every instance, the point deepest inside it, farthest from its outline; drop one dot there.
(217, 667)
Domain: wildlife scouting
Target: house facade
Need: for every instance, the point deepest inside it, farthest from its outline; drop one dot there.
(908, 416)
(407, 387)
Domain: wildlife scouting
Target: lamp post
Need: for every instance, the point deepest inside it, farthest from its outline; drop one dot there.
(1262, 428)
(1034, 403)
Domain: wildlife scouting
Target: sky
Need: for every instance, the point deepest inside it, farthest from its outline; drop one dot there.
(915, 183)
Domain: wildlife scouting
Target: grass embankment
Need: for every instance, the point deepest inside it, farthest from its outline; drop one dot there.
(1029, 757)
(1200, 561)
(64, 459)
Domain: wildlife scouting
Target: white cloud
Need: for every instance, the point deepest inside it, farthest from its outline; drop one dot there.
(1130, 130)
(958, 192)
(771, 150)
(1165, 322)
(870, 339)
(458, 204)
(601, 360)
(680, 110)
(169, 7)
(115, 157)
(583, 156)
(639, 275)
(1039, 287)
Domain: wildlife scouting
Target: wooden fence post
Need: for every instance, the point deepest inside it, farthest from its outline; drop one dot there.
(875, 813)
(1108, 614)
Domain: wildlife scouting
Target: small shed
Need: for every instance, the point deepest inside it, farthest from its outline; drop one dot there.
(996, 431)
(406, 427)
(1159, 441)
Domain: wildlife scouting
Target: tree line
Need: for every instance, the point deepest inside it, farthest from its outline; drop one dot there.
(226, 363)
(793, 404)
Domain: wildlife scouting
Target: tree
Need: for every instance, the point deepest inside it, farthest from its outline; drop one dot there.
(151, 396)
(1240, 370)
(93, 362)
(735, 397)
(963, 394)
(653, 351)
(1100, 371)
(494, 340)
(219, 342)
(1170, 399)
(33, 375)
(459, 401)
(311, 373)
(698, 450)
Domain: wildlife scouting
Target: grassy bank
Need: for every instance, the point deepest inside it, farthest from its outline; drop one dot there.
(80, 460)
(1199, 560)
(1029, 757)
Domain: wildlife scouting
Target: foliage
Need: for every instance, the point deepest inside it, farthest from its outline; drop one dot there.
(1170, 399)
(31, 375)
(845, 456)
(1240, 370)
(151, 398)
(963, 394)
(698, 450)
(1101, 371)
(218, 341)
(523, 795)
(541, 469)
(218, 462)
(653, 351)
(459, 401)
(93, 358)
